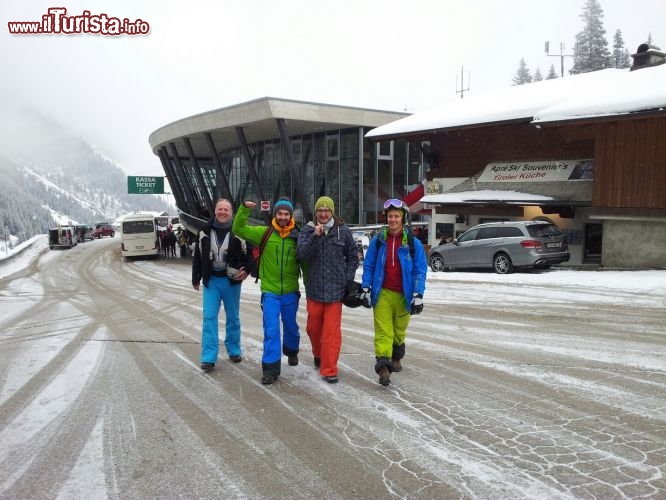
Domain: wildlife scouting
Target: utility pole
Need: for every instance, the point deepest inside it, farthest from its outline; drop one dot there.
(462, 85)
(561, 56)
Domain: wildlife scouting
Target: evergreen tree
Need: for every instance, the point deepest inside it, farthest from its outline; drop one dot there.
(522, 74)
(551, 73)
(537, 75)
(591, 49)
(620, 57)
(651, 43)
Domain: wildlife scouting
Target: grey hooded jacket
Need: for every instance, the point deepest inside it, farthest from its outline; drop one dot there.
(329, 261)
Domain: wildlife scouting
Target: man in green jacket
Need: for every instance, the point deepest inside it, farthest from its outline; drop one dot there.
(279, 272)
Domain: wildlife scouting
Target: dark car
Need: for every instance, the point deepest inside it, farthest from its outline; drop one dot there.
(85, 232)
(503, 246)
(104, 229)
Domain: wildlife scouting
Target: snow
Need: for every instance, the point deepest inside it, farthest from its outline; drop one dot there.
(15, 259)
(626, 92)
(413, 426)
(650, 282)
(599, 93)
(483, 195)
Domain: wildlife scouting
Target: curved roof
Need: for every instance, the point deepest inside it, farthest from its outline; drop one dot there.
(258, 120)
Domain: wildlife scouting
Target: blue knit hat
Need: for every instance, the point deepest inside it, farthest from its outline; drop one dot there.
(283, 203)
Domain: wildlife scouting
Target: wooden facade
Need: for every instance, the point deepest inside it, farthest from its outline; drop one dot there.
(630, 164)
(629, 155)
(465, 152)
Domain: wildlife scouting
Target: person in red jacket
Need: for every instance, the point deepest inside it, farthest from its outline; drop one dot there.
(394, 274)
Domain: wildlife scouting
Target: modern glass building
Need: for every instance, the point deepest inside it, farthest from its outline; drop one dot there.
(267, 148)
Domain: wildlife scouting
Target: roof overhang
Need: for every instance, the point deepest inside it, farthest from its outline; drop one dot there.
(486, 196)
(258, 118)
(427, 134)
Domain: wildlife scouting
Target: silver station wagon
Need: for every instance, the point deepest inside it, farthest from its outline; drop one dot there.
(503, 246)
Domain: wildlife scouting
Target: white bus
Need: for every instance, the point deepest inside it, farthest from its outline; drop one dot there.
(139, 235)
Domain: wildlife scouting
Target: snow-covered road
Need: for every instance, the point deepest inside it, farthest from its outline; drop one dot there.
(536, 385)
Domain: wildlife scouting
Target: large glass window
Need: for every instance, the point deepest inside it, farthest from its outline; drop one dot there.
(384, 177)
(400, 169)
(319, 165)
(330, 163)
(369, 183)
(414, 175)
(308, 169)
(209, 176)
(333, 166)
(385, 150)
(349, 168)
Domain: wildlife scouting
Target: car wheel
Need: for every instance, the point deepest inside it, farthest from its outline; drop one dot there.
(113, 234)
(502, 264)
(437, 263)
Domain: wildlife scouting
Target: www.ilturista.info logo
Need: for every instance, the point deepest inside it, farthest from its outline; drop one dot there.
(57, 22)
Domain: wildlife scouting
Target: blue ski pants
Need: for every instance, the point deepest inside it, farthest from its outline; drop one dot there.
(219, 291)
(276, 307)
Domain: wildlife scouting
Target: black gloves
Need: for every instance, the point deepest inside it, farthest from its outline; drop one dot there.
(417, 304)
(365, 297)
(352, 287)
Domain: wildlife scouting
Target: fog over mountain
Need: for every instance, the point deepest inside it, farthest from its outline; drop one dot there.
(46, 169)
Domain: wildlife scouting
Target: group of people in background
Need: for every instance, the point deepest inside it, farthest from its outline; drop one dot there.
(324, 252)
(170, 239)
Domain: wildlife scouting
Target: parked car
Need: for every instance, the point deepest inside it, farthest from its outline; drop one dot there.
(104, 229)
(503, 246)
(62, 237)
(85, 232)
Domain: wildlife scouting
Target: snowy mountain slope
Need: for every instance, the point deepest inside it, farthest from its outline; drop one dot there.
(46, 169)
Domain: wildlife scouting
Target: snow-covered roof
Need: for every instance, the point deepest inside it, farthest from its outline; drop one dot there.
(627, 92)
(484, 195)
(600, 93)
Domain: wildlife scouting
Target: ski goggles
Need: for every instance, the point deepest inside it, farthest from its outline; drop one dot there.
(395, 203)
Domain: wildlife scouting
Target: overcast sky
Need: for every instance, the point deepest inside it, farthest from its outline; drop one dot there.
(204, 54)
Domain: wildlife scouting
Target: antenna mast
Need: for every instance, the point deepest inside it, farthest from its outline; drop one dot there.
(561, 56)
(462, 85)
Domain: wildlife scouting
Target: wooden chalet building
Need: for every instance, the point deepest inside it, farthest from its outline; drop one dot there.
(587, 152)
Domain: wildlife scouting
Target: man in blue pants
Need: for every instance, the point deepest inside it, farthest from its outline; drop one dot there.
(279, 272)
(222, 261)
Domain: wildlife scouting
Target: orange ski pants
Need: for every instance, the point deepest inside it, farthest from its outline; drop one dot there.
(323, 328)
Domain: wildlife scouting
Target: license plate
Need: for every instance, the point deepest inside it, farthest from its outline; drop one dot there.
(553, 245)
(139, 247)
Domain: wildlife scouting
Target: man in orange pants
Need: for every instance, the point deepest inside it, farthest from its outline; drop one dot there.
(327, 248)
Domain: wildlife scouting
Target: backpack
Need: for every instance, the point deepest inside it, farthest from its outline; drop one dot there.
(256, 253)
(410, 242)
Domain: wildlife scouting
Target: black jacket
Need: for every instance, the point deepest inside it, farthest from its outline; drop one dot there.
(240, 255)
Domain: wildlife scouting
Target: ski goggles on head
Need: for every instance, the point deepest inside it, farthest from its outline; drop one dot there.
(395, 203)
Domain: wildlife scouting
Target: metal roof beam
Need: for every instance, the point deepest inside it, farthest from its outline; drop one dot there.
(296, 174)
(224, 189)
(197, 171)
(245, 149)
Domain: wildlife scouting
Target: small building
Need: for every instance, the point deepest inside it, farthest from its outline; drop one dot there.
(269, 147)
(587, 152)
